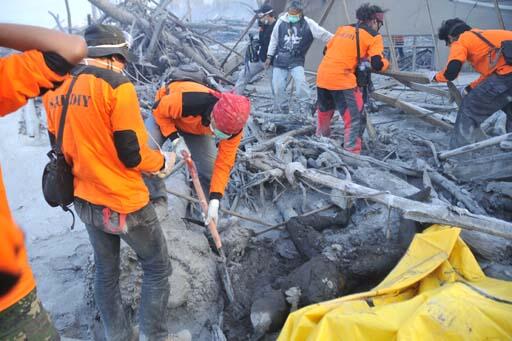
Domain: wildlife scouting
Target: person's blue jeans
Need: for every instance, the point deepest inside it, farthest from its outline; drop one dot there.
(144, 235)
(202, 150)
(302, 90)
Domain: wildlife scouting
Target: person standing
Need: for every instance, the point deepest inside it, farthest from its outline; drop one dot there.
(337, 85)
(291, 39)
(47, 58)
(106, 143)
(255, 61)
(490, 54)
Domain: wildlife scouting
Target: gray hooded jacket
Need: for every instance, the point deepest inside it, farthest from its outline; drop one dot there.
(290, 42)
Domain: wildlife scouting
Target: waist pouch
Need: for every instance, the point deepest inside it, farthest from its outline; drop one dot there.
(57, 181)
(506, 50)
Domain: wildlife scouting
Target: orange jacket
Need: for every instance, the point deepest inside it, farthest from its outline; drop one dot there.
(105, 140)
(337, 69)
(16, 277)
(23, 76)
(186, 106)
(473, 49)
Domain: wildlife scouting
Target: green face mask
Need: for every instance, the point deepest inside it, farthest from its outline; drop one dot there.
(293, 18)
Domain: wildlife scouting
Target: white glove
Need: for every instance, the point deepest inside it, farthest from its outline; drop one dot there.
(463, 91)
(170, 160)
(213, 211)
(432, 76)
(178, 146)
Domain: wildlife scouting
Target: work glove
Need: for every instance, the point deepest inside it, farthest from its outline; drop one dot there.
(178, 146)
(213, 212)
(170, 160)
(432, 76)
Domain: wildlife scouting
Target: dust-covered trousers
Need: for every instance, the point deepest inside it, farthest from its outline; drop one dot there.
(141, 230)
(491, 95)
(27, 320)
(349, 104)
(203, 151)
(248, 72)
(302, 90)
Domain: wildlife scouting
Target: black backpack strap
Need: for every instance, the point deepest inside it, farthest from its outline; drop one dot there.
(60, 133)
(357, 45)
(484, 39)
(493, 47)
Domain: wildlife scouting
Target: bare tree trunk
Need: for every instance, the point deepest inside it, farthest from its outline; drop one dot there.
(70, 27)
(128, 18)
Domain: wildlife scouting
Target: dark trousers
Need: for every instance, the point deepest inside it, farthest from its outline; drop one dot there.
(491, 95)
(144, 235)
(27, 320)
(349, 104)
(202, 150)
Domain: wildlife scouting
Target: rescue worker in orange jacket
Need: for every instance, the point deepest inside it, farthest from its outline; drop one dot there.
(49, 55)
(105, 142)
(336, 80)
(489, 93)
(193, 115)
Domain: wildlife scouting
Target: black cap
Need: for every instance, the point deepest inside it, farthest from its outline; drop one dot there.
(264, 10)
(106, 40)
(296, 4)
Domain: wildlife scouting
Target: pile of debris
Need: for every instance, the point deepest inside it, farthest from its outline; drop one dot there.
(305, 221)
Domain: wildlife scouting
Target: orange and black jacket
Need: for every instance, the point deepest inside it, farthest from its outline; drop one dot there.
(23, 76)
(186, 106)
(104, 140)
(470, 47)
(337, 69)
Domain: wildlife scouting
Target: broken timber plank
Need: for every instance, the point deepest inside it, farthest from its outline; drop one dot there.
(494, 167)
(414, 210)
(454, 190)
(474, 146)
(427, 89)
(424, 114)
(416, 77)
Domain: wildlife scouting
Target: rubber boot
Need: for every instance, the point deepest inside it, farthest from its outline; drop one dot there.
(323, 127)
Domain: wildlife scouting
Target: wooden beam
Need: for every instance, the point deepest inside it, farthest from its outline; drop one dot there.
(416, 77)
(474, 146)
(418, 211)
(423, 114)
(427, 89)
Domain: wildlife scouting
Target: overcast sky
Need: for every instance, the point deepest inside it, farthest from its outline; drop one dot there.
(35, 12)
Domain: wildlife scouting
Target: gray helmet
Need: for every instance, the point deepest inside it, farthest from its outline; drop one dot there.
(106, 40)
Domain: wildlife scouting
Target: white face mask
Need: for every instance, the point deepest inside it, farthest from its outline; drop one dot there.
(109, 65)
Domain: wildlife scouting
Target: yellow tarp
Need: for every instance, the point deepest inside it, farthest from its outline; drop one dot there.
(436, 292)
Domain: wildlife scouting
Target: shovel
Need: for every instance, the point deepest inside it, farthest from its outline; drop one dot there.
(212, 226)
